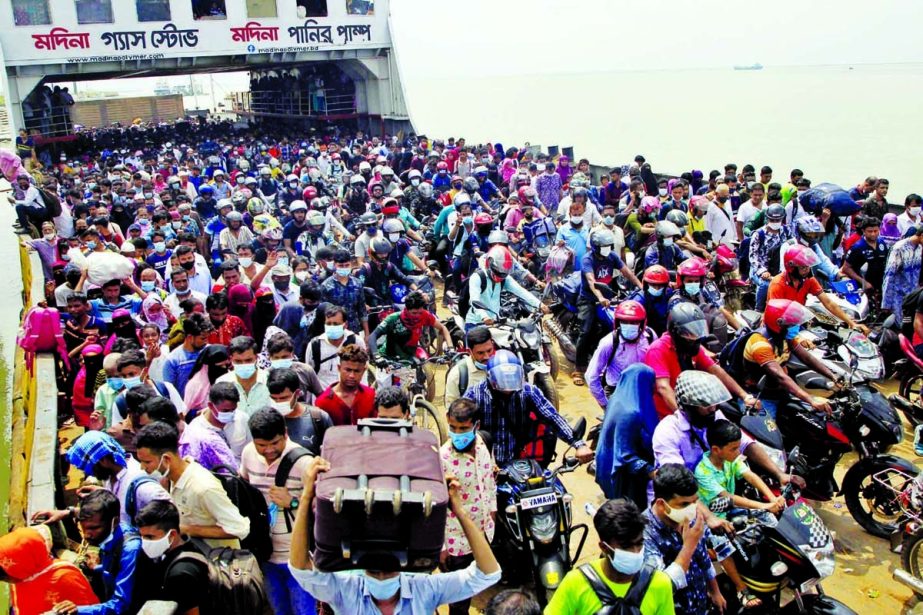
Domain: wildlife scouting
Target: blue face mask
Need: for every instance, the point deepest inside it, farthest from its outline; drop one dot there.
(608, 220)
(627, 562)
(383, 589)
(630, 330)
(115, 383)
(245, 370)
(344, 271)
(692, 288)
(281, 363)
(91, 245)
(461, 441)
(479, 365)
(131, 383)
(792, 332)
(468, 220)
(654, 291)
(372, 230)
(148, 286)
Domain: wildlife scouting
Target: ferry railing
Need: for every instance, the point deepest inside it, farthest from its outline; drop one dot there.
(296, 104)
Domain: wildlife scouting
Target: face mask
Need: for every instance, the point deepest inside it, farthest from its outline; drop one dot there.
(49, 236)
(792, 332)
(155, 549)
(468, 220)
(282, 407)
(226, 417)
(662, 192)
(692, 288)
(334, 332)
(383, 590)
(576, 220)
(330, 266)
(608, 220)
(115, 383)
(281, 363)
(158, 473)
(681, 515)
(283, 260)
(183, 293)
(177, 224)
(629, 330)
(393, 237)
(372, 231)
(461, 441)
(131, 383)
(914, 211)
(667, 242)
(654, 291)
(148, 286)
(301, 276)
(774, 225)
(605, 251)
(722, 199)
(627, 562)
(188, 266)
(245, 262)
(91, 245)
(344, 272)
(160, 247)
(245, 371)
(480, 365)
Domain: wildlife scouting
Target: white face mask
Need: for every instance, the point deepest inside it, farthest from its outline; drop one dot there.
(682, 515)
(283, 407)
(226, 417)
(914, 211)
(605, 251)
(245, 261)
(155, 549)
(774, 225)
(393, 237)
(663, 192)
(667, 241)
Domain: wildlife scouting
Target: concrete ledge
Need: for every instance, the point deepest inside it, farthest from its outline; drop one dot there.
(43, 456)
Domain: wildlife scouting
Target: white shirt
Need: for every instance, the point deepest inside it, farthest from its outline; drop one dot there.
(747, 212)
(720, 222)
(904, 222)
(328, 371)
(172, 302)
(236, 433)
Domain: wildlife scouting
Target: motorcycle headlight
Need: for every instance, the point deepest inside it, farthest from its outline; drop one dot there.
(821, 558)
(532, 338)
(544, 526)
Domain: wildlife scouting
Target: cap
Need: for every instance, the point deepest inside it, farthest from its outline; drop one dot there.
(281, 270)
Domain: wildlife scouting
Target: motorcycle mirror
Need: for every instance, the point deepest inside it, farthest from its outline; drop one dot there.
(571, 462)
(580, 428)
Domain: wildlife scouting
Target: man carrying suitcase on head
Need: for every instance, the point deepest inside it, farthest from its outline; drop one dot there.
(383, 589)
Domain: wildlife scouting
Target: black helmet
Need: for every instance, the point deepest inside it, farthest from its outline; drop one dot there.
(471, 185)
(380, 247)
(686, 320)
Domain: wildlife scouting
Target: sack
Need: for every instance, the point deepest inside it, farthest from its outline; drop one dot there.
(909, 311)
(464, 294)
(52, 202)
(131, 496)
(41, 332)
(251, 504)
(612, 604)
(828, 196)
(106, 265)
(235, 582)
(384, 497)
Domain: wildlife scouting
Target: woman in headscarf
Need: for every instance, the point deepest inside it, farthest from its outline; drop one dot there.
(212, 363)
(122, 326)
(85, 383)
(153, 312)
(264, 312)
(39, 581)
(240, 304)
(624, 456)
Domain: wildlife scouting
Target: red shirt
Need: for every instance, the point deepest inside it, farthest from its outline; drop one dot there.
(229, 329)
(340, 413)
(662, 358)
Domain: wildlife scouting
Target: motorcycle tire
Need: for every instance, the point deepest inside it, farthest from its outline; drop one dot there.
(911, 389)
(858, 486)
(551, 358)
(912, 554)
(545, 384)
(430, 392)
(817, 604)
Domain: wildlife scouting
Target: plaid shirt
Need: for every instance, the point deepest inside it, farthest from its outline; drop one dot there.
(511, 426)
(761, 242)
(350, 297)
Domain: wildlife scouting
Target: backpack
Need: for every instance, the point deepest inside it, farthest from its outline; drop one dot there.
(251, 504)
(630, 604)
(316, 361)
(909, 310)
(285, 468)
(52, 202)
(41, 332)
(774, 263)
(122, 405)
(131, 496)
(464, 296)
(731, 357)
(235, 582)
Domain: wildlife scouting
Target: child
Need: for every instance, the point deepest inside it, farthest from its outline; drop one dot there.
(466, 456)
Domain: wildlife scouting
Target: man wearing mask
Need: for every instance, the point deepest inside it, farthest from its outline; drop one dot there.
(217, 436)
(323, 350)
(719, 220)
(305, 425)
(654, 297)
(574, 234)
(249, 379)
(179, 282)
(488, 282)
(181, 360)
(199, 278)
(345, 290)
(283, 291)
(471, 370)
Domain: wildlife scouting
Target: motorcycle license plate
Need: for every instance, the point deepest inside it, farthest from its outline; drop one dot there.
(537, 501)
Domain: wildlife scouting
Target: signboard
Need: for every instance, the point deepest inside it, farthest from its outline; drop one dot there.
(127, 38)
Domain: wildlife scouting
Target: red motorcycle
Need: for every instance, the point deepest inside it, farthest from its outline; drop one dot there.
(909, 369)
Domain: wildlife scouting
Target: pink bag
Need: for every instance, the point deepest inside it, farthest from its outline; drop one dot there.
(41, 332)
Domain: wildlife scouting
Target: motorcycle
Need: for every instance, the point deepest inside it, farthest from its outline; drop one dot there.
(565, 324)
(535, 521)
(910, 393)
(848, 296)
(910, 538)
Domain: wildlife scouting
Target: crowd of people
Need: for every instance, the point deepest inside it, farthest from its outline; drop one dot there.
(224, 293)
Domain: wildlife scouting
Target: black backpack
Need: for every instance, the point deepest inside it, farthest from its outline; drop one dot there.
(316, 361)
(909, 311)
(251, 504)
(283, 471)
(51, 201)
(630, 604)
(235, 584)
(464, 294)
(774, 264)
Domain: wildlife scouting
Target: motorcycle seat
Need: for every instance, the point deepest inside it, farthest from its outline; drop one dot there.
(907, 347)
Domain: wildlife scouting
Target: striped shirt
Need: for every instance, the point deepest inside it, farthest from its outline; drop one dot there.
(262, 475)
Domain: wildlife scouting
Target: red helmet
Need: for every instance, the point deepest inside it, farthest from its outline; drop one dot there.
(725, 259)
(442, 166)
(783, 313)
(656, 274)
(800, 256)
(309, 194)
(694, 267)
(456, 178)
(483, 218)
(630, 311)
(527, 194)
(499, 262)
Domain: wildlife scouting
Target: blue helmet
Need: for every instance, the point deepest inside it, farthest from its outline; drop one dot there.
(504, 372)
(206, 189)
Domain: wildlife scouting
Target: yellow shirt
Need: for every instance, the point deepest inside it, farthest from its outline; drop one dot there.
(575, 596)
(201, 500)
(696, 225)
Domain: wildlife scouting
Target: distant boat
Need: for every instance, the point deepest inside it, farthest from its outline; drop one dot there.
(756, 66)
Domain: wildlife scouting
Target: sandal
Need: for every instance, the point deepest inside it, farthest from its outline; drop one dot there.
(748, 600)
(577, 377)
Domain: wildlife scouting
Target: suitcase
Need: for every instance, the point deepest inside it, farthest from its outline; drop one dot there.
(383, 503)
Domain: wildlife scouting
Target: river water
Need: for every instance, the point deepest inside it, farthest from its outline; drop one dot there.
(836, 123)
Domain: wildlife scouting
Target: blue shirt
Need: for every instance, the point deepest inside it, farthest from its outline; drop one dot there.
(178, 368)
(350, 297)
(603, 269)
(346, 592)
(103, 310)
(117, 565)
(574, 239)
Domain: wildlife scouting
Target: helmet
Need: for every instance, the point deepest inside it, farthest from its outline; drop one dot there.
(483, 218)
(630, 311)
(377, 186)
(699, 202)
(687, 320)
(379, 246)
(222, 203)
(297, 206)
(392, 225)
(461, 198)
(471, 185)
(481, 170)
(527, 194)
(173, 179)
(775, 212)
(656, 274)
(239, 198)
(442, 166)
(499, 262)
(497, 236)
(603, 237)
(368, 219)
(291, 177)
(579, 180)
(414, 174)
(649, 204)
(320, 204)
(235, 216)
(523, 180)
(387, 172)
(356, 180)
(579, 191)
(265, 171)
(425, 190)
(203, 190)
(316, 218)
(274, 162)
(504, 372)
(365, 166)
(273, 233)
(799, 256)
(665, 229)
(309, 193)
(243, 165)
(256, 206)
(397, 193)
(678, 217)
(783, 313)
(725, 259)
(699, 389)
(810, 229)
(694, 267)
(433, 154)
